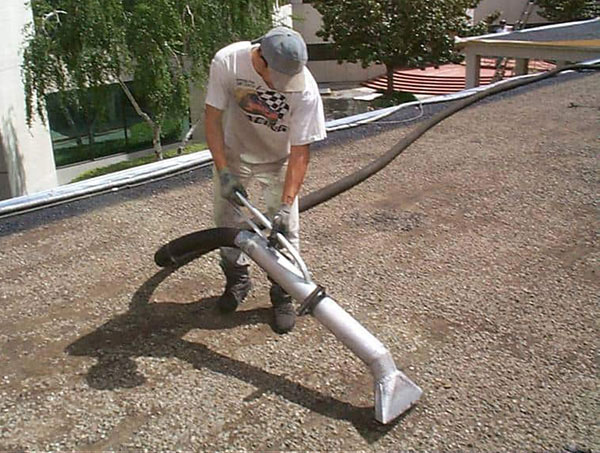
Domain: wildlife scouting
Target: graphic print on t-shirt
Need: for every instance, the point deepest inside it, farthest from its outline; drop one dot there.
(262, 106)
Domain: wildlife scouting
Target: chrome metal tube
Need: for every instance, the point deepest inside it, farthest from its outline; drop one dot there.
(394, 392)
(279, 268)
(349, 331)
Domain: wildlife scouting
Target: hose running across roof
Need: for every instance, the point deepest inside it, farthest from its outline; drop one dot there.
(180, 164)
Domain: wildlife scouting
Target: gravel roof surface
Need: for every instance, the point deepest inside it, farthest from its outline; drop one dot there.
(473, 257)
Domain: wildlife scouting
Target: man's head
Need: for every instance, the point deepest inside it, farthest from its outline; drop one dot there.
(285, 54)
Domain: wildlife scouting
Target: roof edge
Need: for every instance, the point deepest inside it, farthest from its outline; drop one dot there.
(527, 30)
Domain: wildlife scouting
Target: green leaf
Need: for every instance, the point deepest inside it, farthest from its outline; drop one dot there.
(76, 46)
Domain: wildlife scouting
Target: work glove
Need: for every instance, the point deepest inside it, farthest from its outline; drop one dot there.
(230, 184)
(281, 220)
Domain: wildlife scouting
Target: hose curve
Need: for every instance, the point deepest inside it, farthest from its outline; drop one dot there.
(326, 193)
(191, 246)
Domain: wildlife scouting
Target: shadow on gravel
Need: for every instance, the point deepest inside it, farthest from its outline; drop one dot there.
(157, 330)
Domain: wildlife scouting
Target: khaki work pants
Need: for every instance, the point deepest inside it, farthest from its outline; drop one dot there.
(270, 178)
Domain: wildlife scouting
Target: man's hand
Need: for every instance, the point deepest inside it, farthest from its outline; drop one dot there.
(281, 220)
(230, 184)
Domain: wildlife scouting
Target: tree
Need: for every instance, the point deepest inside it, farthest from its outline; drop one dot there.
(568, 10)
(396, 33)
(74, 47)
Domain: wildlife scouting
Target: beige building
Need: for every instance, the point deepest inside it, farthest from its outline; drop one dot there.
(307, 21)
(26, 159)
(510, 11)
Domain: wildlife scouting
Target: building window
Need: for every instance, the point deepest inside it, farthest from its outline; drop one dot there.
(85, 133)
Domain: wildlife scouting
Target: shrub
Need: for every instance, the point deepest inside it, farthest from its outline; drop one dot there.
(396, 98)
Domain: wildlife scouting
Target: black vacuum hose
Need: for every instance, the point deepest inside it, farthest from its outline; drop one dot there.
(191, 246)
(328, 192)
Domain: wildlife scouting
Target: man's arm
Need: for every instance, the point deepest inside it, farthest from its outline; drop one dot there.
(230, 183)
(296, 171)
(213, 127)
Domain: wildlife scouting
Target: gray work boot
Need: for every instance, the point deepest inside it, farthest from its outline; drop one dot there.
(236, 289)
(283, 310)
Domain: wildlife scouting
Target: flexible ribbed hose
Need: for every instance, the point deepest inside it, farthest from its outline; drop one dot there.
(328, 192)
(191, 246)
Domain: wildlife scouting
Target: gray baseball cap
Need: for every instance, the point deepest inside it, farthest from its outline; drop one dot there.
(285, 52)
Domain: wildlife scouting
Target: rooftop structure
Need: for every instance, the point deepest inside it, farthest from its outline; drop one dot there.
(564, 43)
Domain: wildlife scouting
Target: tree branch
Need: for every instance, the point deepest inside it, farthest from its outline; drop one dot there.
(178, 58)
(191, 14)
(135, 104)
(54, 13)
(188, 136)
(153, 124)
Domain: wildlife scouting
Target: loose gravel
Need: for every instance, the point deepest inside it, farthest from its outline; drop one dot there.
(473, 257)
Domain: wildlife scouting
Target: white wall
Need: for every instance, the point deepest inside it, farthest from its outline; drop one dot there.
(26, 159)
(330, 71)
(307, 21)
(283, 15)
(511, 11)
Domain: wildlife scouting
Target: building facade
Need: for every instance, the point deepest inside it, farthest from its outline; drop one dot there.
(307, 21)
(323, 65)
(26, 158)
(510, 11)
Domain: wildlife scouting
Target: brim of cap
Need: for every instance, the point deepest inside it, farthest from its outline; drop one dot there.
(286, 82)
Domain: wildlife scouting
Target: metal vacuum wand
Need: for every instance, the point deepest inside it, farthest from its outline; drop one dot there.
(394, 391)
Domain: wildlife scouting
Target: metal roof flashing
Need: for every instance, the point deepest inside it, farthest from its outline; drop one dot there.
(585, 30)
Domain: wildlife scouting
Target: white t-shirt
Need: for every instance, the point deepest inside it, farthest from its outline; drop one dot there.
(260, 123)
